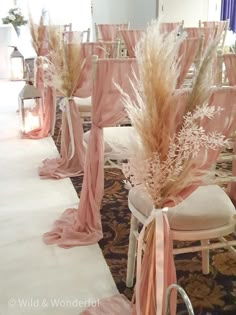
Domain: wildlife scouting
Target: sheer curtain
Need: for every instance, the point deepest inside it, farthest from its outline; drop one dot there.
(228, 11)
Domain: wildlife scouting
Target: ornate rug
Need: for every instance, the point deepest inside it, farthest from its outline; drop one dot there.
(213, 294)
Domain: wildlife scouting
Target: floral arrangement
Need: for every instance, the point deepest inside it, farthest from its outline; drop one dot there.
(16, 18)
(165, 160)
(170, 135)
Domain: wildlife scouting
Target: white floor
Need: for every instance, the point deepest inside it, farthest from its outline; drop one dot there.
(36, 278)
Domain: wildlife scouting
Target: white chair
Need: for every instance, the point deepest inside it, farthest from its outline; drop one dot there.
(204, 215)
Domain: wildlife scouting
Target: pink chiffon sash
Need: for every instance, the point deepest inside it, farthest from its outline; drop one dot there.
(72, 155)
(169, 27)
(131, 38)
(82, 226)
(72, 37)
(208, 33)
(47, 95)
(219, 26)
(187, 52)
(230, 69)
(108, 32)
(71, 163)
(115, 305)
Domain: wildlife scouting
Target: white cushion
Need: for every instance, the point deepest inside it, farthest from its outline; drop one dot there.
(83, 103)
(116, 139)
(207, 207)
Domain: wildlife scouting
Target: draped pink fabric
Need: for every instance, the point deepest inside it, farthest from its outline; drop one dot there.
(230, 69)
(167, 27)
(207, 32)
(108, 32)
(47, 94)
(65, 166)
(118, 304)
(72, 37)
(71, 162)
(82, 226)
(219, 26)
(224, 123)
(131, 38)
(187, 52)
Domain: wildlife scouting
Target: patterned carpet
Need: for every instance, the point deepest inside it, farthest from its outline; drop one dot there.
(214, 294)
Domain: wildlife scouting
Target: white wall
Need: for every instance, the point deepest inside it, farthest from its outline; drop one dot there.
(141, 12)
(137, 12)
(110, 11)
(191, 11)
(214, 9)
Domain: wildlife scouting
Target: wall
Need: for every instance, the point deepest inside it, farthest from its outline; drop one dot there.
(191, 11)
(141, 12)
(137, 12)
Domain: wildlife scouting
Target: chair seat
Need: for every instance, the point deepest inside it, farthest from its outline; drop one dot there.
(83, 103)
(206, 208)
(116, 139)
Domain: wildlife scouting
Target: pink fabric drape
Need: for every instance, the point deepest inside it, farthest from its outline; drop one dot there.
(47, 95)
(67, 165)
(207, 32)
(219, 26)
(131, 38)
(118, 304)
(71, 162)
(72, 37)
(187, 52)
(108, 32)
(82, 226)
(224, 123)
(169, 27)
(230, 69)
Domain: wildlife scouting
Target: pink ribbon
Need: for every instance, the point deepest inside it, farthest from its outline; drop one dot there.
(165, 270)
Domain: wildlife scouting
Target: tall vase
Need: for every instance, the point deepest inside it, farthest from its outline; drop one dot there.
(17, 29)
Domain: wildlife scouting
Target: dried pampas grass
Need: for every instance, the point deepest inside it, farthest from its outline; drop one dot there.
(65, 63)
(38, 33)
(166, 124)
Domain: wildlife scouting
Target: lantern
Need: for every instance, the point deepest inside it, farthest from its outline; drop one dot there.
(17, 65)
(30, 109)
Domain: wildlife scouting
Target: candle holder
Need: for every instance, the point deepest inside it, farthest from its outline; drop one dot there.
(30, 109)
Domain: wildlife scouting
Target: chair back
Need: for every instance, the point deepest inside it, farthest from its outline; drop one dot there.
(88, 50)
(187, 54)
(167, 27)
(108, 32)
(221, 28)
(107, 110)
(131, 38)
(230, 68)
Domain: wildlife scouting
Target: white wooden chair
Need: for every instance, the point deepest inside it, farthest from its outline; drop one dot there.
(204, 215)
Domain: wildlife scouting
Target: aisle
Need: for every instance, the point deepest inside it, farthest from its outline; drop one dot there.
(35, 278)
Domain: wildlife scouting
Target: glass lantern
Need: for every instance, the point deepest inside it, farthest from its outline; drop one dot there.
(30, 109)
(17, 65)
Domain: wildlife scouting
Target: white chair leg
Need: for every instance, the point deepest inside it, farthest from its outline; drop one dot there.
(205, 258)
(131, 252)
